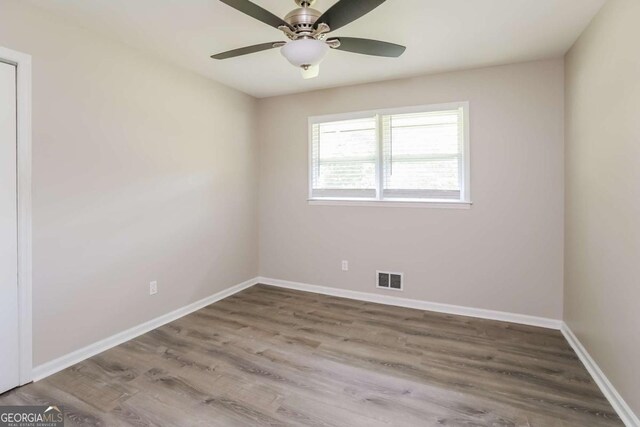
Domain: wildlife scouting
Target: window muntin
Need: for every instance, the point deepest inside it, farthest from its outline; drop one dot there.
(414, 154)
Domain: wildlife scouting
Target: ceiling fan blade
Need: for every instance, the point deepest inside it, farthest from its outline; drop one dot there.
(346, 11)
(246, 50)
(369, 47)
(255, 11)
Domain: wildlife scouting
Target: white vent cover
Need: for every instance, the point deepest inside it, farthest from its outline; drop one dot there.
(389, 280)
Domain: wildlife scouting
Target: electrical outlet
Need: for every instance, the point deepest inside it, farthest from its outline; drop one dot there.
(153, 288)
(345, 265)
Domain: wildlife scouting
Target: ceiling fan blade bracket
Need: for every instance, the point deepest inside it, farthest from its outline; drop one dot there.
(320, 30)
(288, 32)
(334, 43)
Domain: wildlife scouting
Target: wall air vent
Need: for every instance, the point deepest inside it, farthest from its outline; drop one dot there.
(388, 280)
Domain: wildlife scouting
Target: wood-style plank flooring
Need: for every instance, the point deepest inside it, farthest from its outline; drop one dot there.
(270, 356)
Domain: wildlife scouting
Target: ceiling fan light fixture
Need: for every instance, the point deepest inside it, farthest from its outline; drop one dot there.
(305, 52)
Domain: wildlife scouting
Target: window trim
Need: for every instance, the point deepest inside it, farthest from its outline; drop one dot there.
(465, 177)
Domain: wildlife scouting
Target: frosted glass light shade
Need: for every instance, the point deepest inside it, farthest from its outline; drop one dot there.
(304, 52)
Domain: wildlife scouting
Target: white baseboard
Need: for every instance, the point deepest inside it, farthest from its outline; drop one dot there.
(417, 304)
(624, 411)
(56, 365)
(44, 370)
(618, 403)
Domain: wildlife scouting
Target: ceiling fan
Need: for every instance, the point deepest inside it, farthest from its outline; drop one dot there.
(307, 31)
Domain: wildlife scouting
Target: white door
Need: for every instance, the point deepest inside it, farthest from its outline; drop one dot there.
(9, 344)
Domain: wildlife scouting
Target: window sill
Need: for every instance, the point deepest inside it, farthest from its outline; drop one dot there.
(437, 204)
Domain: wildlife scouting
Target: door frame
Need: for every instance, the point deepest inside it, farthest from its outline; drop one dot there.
(22, 63)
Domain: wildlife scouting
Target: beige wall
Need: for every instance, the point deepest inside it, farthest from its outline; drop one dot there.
(505, 253)
(602, 268)
(141, 171)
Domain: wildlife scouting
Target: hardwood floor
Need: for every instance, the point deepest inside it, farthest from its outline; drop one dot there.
(270, 356)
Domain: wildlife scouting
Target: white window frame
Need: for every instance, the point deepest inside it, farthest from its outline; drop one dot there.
(465, 169)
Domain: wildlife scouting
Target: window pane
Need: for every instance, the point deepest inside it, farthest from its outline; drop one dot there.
(347, 175)
(422, 154)
(344, 155)
(436, 174)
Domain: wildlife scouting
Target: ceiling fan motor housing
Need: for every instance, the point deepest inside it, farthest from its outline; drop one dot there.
(302, 19)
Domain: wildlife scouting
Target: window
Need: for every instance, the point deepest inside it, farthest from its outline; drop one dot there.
(417, 154)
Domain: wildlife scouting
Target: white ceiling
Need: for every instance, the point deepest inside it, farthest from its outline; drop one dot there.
(440, 35)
